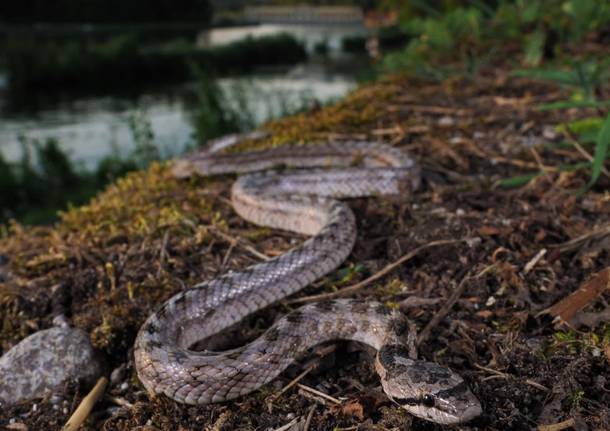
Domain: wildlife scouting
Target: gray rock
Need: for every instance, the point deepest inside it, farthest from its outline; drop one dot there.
(44, 362)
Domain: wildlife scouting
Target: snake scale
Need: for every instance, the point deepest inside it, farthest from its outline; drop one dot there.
(304, 201)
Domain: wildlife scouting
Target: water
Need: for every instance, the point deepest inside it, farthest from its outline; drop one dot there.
(90, 128)
(310, 35)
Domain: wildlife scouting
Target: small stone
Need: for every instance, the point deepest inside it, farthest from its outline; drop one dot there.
(44, 362)
(549, 133)
(56, 399)
(446, 121)
(117, 375)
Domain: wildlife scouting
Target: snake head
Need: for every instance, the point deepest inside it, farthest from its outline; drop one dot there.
(425, 389)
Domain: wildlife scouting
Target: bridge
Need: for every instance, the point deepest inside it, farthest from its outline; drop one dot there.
(304, 14)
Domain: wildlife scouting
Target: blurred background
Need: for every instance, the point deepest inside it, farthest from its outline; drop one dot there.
(90, 90)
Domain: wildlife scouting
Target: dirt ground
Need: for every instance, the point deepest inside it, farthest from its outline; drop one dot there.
(488, 280)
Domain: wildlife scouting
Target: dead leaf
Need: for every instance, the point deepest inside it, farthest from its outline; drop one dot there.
(567, 308)
(353, 408)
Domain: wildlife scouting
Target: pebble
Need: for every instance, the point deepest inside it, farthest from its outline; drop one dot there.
(44, 362)
(446, 121)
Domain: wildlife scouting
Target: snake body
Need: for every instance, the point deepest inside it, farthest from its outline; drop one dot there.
(303, 201)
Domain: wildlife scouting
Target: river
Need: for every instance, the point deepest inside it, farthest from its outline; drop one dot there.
(89, 128)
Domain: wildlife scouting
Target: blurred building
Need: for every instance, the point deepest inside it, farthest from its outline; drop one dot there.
(304, 14)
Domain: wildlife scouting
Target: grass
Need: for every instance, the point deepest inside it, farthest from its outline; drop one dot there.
(586, 81)
(533, 31)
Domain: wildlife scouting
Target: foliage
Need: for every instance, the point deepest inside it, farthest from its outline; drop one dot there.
(601, 151)
(35, 64)
(212, 116)
(353, 43)
(586, 80)
(454, 31)
(104, 11)
(220, 110)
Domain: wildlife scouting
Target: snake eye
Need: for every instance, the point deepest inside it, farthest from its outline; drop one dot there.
(428, 400)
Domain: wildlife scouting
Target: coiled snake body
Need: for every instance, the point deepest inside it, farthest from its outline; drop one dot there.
(305, 202)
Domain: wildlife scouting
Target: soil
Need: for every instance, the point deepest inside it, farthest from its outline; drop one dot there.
(481, 301)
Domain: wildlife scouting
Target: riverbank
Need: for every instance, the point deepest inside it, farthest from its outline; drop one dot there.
(93, 132)
(472, 138)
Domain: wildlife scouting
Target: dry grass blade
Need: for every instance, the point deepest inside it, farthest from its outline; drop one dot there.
(309, 418)
(288, 425)
(86, 405)
(575, 243)
(558, 426)
(356, 287)
(294, 381)
(444, 310)
(318, 393)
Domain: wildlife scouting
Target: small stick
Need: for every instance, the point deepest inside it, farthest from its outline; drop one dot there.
(539, 162)
(120, 401)
(84, 408)
(242, 243)
(163, 253)
(532, 263)
(502, 375)
(288, 425)
(220, 422)
(318, 393)
(576, 242)
(356, 287)
(558, 426)
(572, 140)
(296, 380)
(444, 310)
(309, 417)
(225, 259)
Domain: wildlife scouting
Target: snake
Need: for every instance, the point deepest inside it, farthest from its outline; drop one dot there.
(297, 188)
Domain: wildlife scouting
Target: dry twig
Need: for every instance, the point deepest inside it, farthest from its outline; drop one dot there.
(86, 405)
(309, 417)
(558, 426)
(358, 286)
(444, 310)
(318, 393)
(503, 375)
(294, 381)
(288, 425)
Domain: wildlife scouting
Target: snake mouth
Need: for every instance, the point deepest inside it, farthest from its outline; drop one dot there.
(471, 412)
(444, 417)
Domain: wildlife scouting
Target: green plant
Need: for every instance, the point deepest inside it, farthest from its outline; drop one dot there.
(145, 151)
(601, 152)
(443, 32)
(584, 78)
(353, 43)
